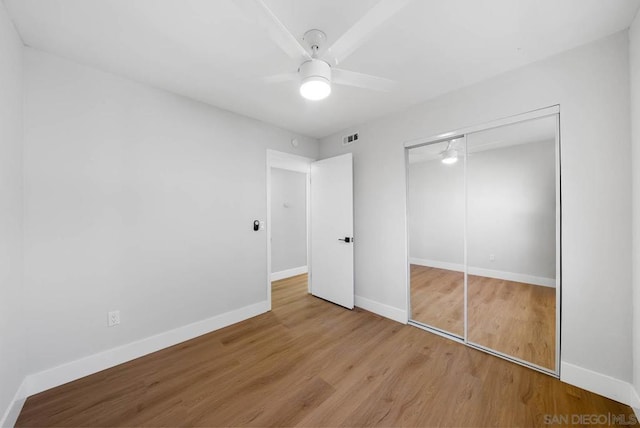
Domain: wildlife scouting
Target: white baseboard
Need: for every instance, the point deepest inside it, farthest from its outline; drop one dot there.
(381, 309)
(73, 370)
(13, 411)
(276, 276)
(601, 384)
(636, 398)
(489, 273)
(516, 277)
(456, 267)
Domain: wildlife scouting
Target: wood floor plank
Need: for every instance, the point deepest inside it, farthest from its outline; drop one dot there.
(437, 298)
(514, 318)
(311, 363)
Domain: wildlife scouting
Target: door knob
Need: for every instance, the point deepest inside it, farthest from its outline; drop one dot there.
(346, 239)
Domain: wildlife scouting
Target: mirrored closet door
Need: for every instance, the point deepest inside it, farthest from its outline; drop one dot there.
(483, 225)
(436, 227)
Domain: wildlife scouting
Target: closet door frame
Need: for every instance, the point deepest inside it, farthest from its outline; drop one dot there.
(462, 133)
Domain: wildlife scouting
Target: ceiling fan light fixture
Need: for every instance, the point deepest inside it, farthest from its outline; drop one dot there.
(315, 83)
(449, 156)
(315, 88)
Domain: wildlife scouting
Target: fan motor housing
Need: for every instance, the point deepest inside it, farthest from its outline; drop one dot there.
(315, 68)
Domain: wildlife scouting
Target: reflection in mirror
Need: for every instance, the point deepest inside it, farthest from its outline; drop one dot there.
(436, 235)
(511, 240)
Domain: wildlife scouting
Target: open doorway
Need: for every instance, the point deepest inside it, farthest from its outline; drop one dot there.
(288, 205)
(288, 223)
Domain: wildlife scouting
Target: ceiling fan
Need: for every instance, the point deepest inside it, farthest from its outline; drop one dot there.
(317, 70)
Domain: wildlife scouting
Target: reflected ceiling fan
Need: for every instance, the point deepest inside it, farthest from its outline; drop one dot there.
(317, 70)
(449, 156)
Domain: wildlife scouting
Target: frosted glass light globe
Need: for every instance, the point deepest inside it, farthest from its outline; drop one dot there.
(315, 88)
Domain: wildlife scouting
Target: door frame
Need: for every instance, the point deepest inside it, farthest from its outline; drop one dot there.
(289, 162)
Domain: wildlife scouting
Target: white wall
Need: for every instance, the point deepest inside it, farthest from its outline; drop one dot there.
(591, 84)
(436, 211)
(634, 62)
(510, 210)
(137, 200)
(12, 335)
(288, 220)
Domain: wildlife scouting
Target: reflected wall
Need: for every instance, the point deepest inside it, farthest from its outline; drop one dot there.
(436, 230)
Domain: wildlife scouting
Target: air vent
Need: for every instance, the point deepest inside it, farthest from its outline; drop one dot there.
(349, 139)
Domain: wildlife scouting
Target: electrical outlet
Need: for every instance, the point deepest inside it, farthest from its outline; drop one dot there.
(492, 257)
(113, 318)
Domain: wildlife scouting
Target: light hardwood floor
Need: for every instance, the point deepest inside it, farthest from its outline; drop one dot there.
(437, 298)
(311, 363)
(510, 317)
(513, 318)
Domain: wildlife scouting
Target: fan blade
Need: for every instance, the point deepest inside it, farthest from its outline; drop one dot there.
(360, 80)
(363, 29)
(279, 78)
(276, 29)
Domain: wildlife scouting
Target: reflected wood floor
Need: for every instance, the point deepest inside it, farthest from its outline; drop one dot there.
(510, 317)
(311, 363)
(513, 318)
(437, 298)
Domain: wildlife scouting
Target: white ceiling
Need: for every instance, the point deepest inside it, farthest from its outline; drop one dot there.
(209, 49)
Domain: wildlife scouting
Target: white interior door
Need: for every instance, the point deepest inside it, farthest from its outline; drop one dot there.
(332, 230)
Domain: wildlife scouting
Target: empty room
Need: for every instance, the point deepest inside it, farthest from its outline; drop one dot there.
(319, 213)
